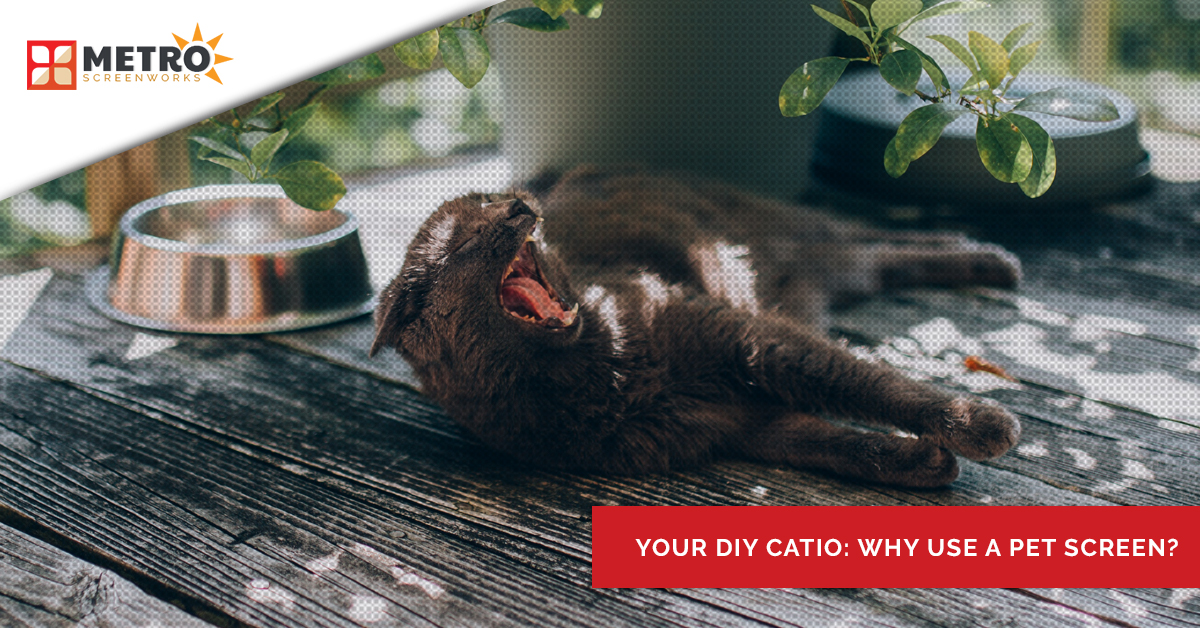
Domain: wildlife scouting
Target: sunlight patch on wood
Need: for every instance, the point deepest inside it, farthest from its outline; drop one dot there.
(20, 293)
(145, 345)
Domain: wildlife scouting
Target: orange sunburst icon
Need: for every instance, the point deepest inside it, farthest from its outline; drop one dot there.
(210, 44)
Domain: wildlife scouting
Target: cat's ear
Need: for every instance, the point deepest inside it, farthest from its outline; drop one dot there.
(396, 310)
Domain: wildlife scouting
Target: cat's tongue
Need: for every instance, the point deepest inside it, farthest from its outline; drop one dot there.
(525, 296)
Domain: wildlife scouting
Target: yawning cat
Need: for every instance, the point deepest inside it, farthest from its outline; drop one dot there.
(651, 323)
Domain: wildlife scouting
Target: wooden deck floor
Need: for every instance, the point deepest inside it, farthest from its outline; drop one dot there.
(288, 481)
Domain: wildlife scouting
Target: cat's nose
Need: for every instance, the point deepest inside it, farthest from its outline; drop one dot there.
(519, 208)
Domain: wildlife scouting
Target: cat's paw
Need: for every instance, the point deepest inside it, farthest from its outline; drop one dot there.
(903, 461)
(931, 467)
(979, 431)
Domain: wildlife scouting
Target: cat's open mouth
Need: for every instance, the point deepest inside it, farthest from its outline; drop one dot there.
(526, 294)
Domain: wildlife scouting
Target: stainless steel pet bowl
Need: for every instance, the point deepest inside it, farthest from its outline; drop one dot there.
(232, 259)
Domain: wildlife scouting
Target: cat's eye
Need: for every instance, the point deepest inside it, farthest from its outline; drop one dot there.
(469, 243)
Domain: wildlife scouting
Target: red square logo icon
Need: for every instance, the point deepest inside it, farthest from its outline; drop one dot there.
(51, 64)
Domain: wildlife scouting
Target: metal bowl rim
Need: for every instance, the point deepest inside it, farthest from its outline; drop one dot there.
(1126, 107)
(222, 249)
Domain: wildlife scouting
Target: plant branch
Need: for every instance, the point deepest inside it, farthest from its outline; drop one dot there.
(849, 13)
(927, 97)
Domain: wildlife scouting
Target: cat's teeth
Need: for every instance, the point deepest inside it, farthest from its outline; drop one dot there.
(570, 315)
(530, 238)
(540, 219)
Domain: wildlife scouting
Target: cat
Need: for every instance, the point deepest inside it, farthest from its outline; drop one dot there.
(625, 322)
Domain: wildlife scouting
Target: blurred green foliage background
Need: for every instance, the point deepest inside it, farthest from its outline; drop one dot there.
(405, 122)
(1150, 50)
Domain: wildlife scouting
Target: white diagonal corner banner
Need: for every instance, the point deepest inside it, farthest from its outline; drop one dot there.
(49, 133)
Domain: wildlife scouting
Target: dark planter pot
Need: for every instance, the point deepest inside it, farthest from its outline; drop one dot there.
(1096, 160)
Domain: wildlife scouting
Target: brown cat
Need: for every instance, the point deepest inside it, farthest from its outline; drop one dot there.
(652, 323)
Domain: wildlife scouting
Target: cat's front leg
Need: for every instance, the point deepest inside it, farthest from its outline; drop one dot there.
(810, 374)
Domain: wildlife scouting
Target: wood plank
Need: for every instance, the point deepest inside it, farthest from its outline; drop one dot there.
(41, 585)
(346, 345)
(1115, 452)
(1137, 607)
(264, 545)
(953, 607)
(1073, 284)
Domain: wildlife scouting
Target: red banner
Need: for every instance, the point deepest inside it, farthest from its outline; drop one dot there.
(895, 546)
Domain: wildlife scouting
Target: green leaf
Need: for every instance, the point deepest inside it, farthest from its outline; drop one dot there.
(1003, 149)
(1014, 36)
(922, 128)
(266, 148)
(1044, 165)
(589, 8)
(1021, 57)
(554, 8)
(888, 13)
(418, 52)
(534, 19)
(235, 165)
(893, 163)
(266, 103)
(217, 146)
(959, 51)
(992, 57)
(946, 8)
(807, 86)
(366, 68)
(465, 54)
(842, 23)
(259, 122)
(1070, 104)
(298, 118)
(931, 67)
(902, 70)
(311, 184)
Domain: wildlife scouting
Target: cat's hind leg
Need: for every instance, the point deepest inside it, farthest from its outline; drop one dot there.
(807, 442)
(810, 374)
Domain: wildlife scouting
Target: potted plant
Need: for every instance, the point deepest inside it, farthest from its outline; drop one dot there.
(871, 130)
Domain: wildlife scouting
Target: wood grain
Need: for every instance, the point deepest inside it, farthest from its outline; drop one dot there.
(41, 585)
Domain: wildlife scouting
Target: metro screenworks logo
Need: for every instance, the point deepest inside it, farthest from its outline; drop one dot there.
(53, 64)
